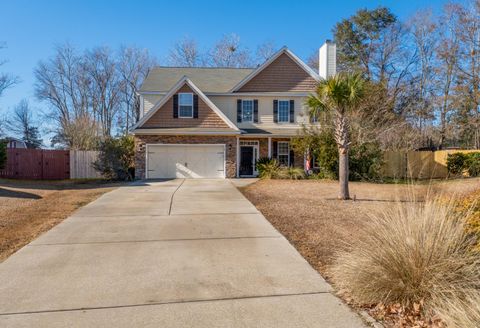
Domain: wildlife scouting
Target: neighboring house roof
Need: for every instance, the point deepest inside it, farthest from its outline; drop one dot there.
(19, 143)
(185, 81)
(161, 79)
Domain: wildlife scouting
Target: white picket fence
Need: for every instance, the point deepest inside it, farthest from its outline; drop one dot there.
(81, 164)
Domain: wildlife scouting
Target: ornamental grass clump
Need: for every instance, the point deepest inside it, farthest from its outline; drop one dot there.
(411, 253)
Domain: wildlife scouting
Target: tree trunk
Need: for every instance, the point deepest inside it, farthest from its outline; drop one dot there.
(341, 137)
(343, 173)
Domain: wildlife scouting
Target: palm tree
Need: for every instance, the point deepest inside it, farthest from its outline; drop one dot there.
(339, 95)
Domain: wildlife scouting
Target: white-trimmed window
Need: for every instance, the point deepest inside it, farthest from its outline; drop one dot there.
(283, 153)
(283, 111)
(247, 110)
(185, 105)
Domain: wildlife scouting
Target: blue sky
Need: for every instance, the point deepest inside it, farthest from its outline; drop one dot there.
(32, 28)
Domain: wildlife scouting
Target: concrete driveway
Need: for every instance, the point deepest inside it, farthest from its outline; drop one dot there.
(179, 253)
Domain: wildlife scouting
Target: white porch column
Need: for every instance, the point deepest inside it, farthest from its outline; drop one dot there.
(238, 157)
(269, 147)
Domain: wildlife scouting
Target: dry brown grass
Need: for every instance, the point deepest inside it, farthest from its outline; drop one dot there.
(29, 208)
(409, 253)
(307, 213)
(463, 312)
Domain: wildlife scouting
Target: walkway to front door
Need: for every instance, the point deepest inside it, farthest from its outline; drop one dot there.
(177, 253)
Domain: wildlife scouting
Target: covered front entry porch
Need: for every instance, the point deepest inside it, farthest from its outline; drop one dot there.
(251, 149)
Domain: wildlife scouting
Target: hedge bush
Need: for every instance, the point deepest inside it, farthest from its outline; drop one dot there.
(3, 154)
(116, 158)
(459, 163)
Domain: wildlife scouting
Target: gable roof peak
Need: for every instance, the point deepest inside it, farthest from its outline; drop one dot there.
(281, 51)
(184, 81)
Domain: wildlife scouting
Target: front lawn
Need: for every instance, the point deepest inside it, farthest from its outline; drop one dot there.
(309, 215)
(29, 208)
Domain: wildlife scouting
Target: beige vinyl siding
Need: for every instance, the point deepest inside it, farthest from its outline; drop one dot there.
(149, 101)
(228, 104)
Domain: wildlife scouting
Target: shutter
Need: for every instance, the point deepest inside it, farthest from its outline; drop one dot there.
(292, 111)
(275, 111)
(195, 106)
(175, 106)
(239, 110)
(275, 149)
(255, 111)
(292, 158)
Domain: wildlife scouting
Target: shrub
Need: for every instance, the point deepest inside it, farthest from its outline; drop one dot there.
(292, 173)
(408, 254)
(463, 312)
(267, 168)
(116, 158)
(3, 154)
(472, 164)
(469, 206)
(456, 163)
(366, 161)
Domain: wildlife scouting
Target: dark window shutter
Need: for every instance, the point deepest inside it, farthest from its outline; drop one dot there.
(175, 106)
(292, 158)
(275, 149)
(292, 111)
(255, 111)
(239, 110)
(195, 106)
(275, 111)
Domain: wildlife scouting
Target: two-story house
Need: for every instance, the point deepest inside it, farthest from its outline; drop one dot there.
(216, 122)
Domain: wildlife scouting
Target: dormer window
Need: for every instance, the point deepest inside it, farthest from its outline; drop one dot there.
(185, 105)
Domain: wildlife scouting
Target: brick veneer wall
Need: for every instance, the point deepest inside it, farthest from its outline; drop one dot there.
(142, 140)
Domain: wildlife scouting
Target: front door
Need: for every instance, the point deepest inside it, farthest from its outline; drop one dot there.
(246, 160)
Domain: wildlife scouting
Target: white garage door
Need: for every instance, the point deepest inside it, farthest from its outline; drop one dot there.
(185, 161)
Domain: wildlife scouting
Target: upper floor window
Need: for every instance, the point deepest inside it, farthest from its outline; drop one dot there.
(185, 105)
(247, 110)
(283, 111)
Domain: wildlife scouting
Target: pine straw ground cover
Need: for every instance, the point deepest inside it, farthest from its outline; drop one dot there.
(30, 208)
(319, 226)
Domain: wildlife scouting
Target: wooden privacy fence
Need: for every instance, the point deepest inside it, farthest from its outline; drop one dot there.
(418, 164)
(46, 164)
(36, 164)
(81, 164)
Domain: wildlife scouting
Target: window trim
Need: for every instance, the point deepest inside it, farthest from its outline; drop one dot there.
(287, 154)
(253, 110)
(179, 104)
(278, 111)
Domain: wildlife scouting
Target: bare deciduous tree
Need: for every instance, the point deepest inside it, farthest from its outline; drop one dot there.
(265, 51)
(104, 88)
(133, 66)
(185, 53)
(63, 82)
(6, 80)
(22, 123)
(228, 52)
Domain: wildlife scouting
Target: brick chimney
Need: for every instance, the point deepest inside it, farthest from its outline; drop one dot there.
(327, 59)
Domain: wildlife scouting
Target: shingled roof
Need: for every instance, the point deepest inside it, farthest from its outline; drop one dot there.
(162, 79)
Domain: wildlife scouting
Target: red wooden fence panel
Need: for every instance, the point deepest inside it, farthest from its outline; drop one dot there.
(37, 164)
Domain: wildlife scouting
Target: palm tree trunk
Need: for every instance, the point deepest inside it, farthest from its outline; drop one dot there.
(341, 137)
(343, 173)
